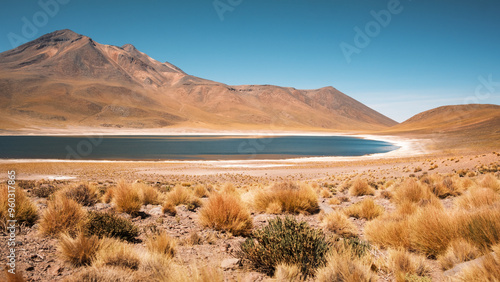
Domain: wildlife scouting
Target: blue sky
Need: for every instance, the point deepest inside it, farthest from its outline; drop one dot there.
(418, 54)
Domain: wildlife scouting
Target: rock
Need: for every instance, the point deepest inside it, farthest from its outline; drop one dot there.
(101, 206)
(155, 211)
(461, 266)
(231, 263)
(30, 268)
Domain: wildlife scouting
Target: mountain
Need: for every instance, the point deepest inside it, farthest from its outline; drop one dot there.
(459, 126)
(66, 79)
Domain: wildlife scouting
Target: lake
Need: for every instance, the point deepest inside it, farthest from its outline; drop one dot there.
(186, 147)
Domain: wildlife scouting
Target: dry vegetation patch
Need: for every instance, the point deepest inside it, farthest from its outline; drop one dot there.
(287, 197)
(366, 209)
(62, 215)
(226, 212)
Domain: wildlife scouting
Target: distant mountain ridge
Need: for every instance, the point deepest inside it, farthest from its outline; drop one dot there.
(66, 79)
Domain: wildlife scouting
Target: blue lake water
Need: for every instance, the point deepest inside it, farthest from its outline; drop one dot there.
(185, 147)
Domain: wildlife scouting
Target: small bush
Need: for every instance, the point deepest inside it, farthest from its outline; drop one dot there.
(226, 212)
(44, 190)
(62, 215)
(80, 250)
(161, 243)
(459, 250)
(115, 253)
(284, 240)
(169, 209)
(339, 224)
(291, 197)
(103, 224)
(360, 187)
(126, 198)
(200, 191)
(82, 193)
(366, 209)
(24, 210)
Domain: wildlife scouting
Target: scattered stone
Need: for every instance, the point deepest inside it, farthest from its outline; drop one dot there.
(231, 263)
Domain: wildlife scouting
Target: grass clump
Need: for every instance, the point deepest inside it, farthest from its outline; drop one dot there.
(476, 198)
(366, 209)
(286, 241)
(481, 227)
(431, 230)
(412, 191)
(23, 209)
(126, 198)
(80, 250)
(346, 264)
(161, 243)
(147, 194)
(62, 215)
(226, 212)
(181, 196)
(103, 224)
(116, 253)
(405, 264)
(103, 274)
(339, 224)
(83, 193)
(389, 231)
(287, 197)
(490, 181)
(360, 187)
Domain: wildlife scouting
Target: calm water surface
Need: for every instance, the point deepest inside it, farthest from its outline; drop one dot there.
(185, 147)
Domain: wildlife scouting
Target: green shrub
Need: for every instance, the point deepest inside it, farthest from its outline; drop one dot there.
(286, 241)
(82, 193)
(103, 224)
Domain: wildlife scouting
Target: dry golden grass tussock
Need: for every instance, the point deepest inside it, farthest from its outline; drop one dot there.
(162, 243)
(489, 181)
(360, 187)
(481, 227)
(288, 273)
(334, 201)
(148, 194)
(366, 209)
(108, 195)
(459, 250)
(389, 231)
(487, 270)
(292, 198)
(476, 198)
(126, 198)
(404, 263)
(413, 191)
(226, 212)
(200, 191)
(182, 196)
(338, 223)
(116, 253)
(80, 250)
(431, 230)
(62, 215)
(195, 273)
(345, 266)
(24, 209)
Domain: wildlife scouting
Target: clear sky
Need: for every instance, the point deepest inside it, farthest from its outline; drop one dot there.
(398, 57)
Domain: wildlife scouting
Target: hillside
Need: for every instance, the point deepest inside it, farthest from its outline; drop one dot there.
(458, 126)
(64, 79)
